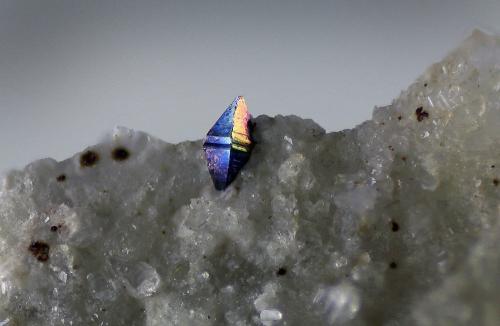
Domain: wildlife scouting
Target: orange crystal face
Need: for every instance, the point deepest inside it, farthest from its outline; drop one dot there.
(241, 132)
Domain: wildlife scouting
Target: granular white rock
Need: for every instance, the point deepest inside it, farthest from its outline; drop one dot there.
(395, 222)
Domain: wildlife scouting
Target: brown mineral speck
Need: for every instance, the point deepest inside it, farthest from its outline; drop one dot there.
(120, 154)
(496, 182)
(400, 117)
(393, 265)
(53, 228)
(281, 271)
(89, 158)
(61, 178)
(421, 114)
(40, 250)
(394, 226)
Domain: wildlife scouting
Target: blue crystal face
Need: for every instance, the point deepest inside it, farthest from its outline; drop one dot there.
(228, 144)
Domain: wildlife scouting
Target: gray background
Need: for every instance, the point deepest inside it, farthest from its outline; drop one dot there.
(72, 70)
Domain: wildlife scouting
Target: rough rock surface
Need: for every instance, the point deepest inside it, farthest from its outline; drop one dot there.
(395, 222)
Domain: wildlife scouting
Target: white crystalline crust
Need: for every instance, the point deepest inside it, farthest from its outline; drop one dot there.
(395, 222)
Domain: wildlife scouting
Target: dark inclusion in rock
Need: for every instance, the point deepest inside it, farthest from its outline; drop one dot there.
(228, 144)
(40, 250)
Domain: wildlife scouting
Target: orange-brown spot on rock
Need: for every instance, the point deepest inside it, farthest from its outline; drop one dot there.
(120, 154)
(403, 158)
(40, 250)
(281, 271)
(421, 113)
(89, 158)
(394, 226)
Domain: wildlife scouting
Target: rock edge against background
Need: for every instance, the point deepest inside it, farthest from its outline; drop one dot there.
(394, 222)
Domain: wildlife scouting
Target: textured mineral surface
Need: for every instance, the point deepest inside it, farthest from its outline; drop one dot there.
(395, 222)
(228, 144)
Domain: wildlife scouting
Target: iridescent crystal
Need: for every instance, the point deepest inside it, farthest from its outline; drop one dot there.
(228, 144)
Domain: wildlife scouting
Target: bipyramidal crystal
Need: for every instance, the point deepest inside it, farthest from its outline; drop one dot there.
(394, 222)
(228, 144)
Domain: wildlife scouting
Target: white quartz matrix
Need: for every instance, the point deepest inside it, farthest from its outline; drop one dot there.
(394, 222)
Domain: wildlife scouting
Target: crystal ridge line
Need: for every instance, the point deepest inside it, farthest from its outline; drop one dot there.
(228, 144)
